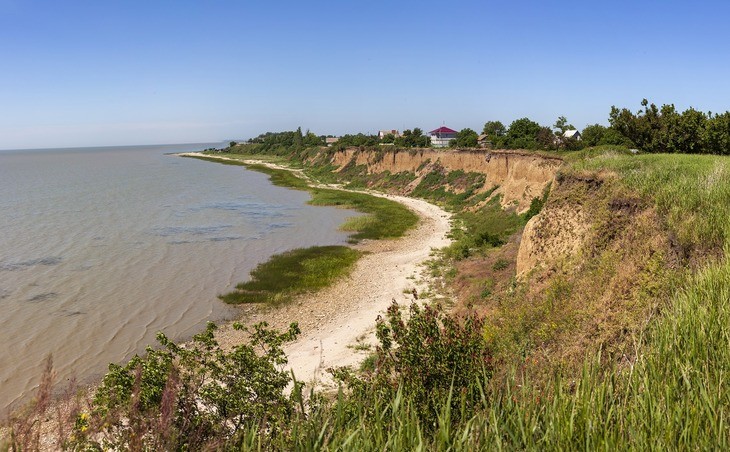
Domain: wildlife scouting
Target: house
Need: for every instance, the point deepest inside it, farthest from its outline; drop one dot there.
(329, 141)
(440, 137)
(483, 141)
(383, 133)
(574, 134)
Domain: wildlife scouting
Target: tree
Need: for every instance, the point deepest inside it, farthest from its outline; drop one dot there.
(310, 140)
(466, 138)
(494, 129)
(413, 138)
(546, 139)
(654, 129)
(561, 126)
(613, 137)
(592, 134)
(522, 134)
(716, 134)
(685, 132)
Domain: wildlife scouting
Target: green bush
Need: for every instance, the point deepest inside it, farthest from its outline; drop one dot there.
(428, 357)
(191, 397)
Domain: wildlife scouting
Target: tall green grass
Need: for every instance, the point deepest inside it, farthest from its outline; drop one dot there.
(690, 191)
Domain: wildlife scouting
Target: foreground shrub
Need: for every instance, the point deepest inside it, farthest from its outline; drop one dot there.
(195, 396)
(431, 357)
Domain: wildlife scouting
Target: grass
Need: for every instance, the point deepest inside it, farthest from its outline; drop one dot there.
(292, 273)
(690, 191)
(384, 219)
(487, 228)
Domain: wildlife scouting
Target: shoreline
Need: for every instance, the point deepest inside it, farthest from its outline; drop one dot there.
(338, 322)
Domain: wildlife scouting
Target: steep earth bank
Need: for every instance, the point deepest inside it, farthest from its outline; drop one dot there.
(518, 176)
(592, 267)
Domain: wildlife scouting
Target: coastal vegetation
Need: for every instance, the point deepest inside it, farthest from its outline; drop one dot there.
(294, 272)
(620, 344)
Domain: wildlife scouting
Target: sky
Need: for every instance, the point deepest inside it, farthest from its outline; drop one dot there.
(113, 72)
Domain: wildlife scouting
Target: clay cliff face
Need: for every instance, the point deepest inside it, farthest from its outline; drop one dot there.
(520, 175)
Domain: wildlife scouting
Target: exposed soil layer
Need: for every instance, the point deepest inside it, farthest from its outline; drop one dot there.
(519, 176)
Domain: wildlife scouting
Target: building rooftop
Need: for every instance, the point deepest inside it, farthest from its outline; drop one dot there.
(443, 129)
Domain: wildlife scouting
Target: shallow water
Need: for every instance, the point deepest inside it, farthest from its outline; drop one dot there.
(101, 248)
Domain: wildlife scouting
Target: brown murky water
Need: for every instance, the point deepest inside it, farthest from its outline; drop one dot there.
(102, 248)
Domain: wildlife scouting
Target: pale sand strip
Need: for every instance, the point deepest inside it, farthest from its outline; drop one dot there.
(355, 302)
(336, 319)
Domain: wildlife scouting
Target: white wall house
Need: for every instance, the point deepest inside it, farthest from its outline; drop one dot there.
(440, 137)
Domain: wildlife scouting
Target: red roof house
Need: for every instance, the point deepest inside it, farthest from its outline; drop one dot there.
(440, 137)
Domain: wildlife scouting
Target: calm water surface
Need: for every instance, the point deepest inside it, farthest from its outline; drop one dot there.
(101, 248)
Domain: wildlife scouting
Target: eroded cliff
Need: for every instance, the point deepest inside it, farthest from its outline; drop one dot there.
(519, 176)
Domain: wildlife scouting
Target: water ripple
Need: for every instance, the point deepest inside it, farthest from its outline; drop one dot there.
(43, 297)
(47, 261)
(169, 231)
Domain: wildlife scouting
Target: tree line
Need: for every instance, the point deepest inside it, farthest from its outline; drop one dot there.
(650, 129)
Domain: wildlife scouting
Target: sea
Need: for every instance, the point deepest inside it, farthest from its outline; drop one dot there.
(101, 248)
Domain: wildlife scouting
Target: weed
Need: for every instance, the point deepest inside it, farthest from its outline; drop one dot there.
(294, 272)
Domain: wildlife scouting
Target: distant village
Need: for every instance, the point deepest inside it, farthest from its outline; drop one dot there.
(444, 137)
(521, 134)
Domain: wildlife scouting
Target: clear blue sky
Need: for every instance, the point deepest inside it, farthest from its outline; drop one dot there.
(103, 72)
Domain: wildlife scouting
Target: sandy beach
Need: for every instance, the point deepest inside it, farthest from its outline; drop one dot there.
(338, 323)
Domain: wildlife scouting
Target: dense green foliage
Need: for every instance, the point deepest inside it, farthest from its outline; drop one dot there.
(598, 135)
(426, 358)
(494, 129)
(654, 129)
(413, 139)
(294, 272)
(357, 140)
(278, 142)
(193, 397)
(522, 134)
(466, 138)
